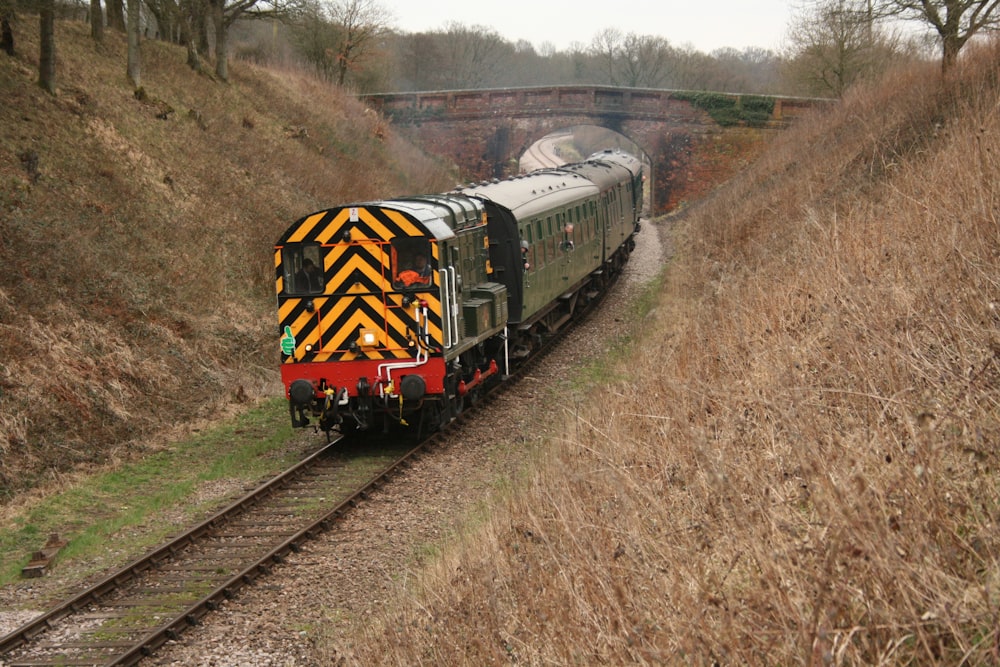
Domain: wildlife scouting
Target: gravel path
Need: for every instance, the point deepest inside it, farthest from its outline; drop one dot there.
(350, 571)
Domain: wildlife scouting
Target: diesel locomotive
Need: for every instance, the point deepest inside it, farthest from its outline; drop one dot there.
(400, 312)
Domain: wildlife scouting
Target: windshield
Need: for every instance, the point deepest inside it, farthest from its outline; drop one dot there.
(303, 269)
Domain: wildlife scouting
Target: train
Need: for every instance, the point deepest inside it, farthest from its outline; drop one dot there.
(402, 312)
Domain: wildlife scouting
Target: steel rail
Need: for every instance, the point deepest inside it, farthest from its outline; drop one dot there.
(131, 572)
(194, 613)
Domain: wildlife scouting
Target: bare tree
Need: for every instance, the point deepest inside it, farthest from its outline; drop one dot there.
(362, 24)
(694, 70)
(223, 13)
(417, 61)
(338, 37)
(836, 44)
(644, 61)
(189, 22)
(183, 22)
(638, 61)
(217, 12)
(314, 36)
(606, 47)
(954, 21)
(751, 70)
(192, 17)
(465, 57)
(166, 14)
(471, 56)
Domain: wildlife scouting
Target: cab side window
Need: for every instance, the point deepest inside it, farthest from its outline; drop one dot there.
(303, 269)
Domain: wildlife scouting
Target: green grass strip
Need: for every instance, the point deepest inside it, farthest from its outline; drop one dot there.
(91, 512)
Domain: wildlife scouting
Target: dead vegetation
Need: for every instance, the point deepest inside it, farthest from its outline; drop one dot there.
(797, 462)
(136, 235)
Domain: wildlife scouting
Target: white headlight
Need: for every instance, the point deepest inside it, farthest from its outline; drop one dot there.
(369, 338)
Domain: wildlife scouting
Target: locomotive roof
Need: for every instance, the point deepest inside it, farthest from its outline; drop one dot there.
(440, 215)
(454, 212)
(534, 193)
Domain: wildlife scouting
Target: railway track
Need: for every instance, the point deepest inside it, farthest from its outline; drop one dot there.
(541, 154)
(129, 614)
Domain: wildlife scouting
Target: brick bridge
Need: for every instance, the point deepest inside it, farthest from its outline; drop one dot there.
(692, 140)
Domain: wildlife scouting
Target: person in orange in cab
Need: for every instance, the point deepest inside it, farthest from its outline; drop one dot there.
(420, 274)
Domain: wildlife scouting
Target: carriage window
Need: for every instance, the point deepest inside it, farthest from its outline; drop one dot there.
(303, 269)
(411, 262)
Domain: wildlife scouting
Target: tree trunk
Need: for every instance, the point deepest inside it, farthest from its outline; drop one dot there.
(201, 30)
(342, 64)
(189, 16)
(6, 32)
(221, 64)
(193, 60)
(116, 14)
(47, 46)
(96, 21)
(134, 67)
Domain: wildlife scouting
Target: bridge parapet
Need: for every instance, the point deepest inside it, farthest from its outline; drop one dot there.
(643, 103)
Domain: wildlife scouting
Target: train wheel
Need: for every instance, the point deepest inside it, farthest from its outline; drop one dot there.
(453, 403)
(441, 415)
(457, 405)
(472, 397)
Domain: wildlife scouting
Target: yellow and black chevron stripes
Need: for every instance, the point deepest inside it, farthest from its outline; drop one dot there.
(336, 322)
(356, 247)
(280, 286)
(405, 226)
(363, 222)
(359, 266)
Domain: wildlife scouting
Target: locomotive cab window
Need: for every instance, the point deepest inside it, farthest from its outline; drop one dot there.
(411, 263)
(303, 269)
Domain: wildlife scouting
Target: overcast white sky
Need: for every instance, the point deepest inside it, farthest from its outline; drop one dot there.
(704, 24)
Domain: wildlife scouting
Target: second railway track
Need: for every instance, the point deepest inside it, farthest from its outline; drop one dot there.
(129, 614)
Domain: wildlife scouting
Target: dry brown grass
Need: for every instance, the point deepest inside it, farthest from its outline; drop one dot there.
(801, 465)
(136, 289)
